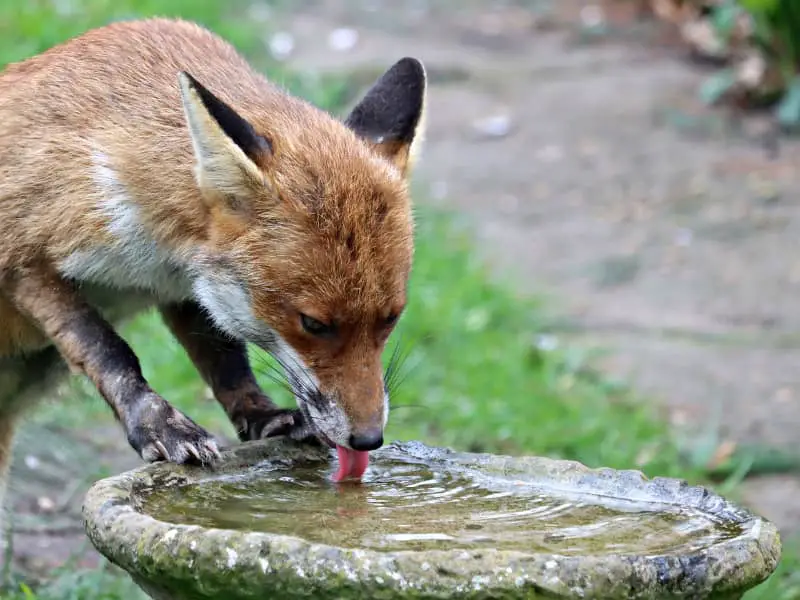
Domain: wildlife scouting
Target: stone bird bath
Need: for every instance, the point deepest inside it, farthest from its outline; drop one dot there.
(426, 523)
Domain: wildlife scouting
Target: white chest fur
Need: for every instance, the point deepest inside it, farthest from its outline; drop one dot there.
(131, 260)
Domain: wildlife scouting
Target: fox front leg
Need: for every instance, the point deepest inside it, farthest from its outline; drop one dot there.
(89, 345)
(223, 364)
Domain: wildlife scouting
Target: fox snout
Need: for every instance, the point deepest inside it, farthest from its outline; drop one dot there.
(367, 439)
(354, 419)
(330, 420)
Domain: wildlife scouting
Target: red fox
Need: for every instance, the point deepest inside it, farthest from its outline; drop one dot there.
(145, 163)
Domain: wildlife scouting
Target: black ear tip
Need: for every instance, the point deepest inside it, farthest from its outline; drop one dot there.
(409, 67)
(190, 79)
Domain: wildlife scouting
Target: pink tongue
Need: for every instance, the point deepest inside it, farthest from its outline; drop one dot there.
(352, 463)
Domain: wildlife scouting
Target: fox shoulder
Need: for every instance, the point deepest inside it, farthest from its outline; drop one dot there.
(105, 115)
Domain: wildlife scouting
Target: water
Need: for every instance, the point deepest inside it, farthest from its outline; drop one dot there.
(407, 506)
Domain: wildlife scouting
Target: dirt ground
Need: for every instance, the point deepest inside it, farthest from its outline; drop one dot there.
(665, 237)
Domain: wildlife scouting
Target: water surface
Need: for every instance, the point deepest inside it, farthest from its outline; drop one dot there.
(408, 506)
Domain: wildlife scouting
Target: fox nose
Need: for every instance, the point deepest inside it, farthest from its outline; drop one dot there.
(372, 439)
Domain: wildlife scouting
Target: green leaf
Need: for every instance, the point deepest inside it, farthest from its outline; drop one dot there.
(29, 595)
(715, 86)
(788, 110)
(762, 6)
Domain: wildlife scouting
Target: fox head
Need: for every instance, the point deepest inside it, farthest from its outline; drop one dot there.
(310, 239)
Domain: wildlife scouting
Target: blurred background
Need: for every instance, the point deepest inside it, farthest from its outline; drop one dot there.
(608, 208)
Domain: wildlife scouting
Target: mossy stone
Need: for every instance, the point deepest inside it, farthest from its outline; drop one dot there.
(174, 561)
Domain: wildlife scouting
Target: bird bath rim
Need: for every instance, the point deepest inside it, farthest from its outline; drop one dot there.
(112, 518)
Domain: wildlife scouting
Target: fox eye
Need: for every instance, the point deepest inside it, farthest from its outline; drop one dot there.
(315, 327)
(392, 318)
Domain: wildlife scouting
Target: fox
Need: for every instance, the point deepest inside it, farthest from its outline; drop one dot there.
(146, 165)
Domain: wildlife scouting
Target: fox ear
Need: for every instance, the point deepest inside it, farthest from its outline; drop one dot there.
(390, 117)
(227, 149)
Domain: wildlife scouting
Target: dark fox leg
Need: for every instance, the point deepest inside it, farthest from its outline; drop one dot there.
(89, 345)
(223, 364)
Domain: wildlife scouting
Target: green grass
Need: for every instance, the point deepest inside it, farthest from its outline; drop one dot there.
(479, 373)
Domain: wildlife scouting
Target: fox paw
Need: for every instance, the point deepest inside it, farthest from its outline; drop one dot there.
(272, 421)
(166, 434)
(262, 422)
